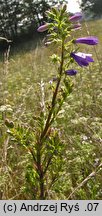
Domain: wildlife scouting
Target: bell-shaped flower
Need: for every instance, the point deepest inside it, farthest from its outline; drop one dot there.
(81, 58)
(76, 17)
(71, 72)
(90, 40)
(43, 28)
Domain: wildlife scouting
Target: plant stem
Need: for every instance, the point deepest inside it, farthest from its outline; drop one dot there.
(54, 95)
(40, 170)
(42, 197)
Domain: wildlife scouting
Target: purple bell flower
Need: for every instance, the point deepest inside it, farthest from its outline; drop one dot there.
(81, 58)
(91, 40)
(71, 72)
(76, 17)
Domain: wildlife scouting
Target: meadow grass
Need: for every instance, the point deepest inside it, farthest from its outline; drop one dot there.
(80, 121)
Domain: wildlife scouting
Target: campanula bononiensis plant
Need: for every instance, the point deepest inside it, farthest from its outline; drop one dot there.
(44, 143)
(59, 31)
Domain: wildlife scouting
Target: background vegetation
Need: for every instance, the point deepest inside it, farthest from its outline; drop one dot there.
(20, 18)
(92, 6)
(23, 70)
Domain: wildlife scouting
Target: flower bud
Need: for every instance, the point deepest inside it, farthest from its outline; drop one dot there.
(87, 40)
(43, 27)
(76, 17)
(71, 72)
(76, 26)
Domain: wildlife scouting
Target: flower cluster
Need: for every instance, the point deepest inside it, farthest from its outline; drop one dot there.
(82, 59)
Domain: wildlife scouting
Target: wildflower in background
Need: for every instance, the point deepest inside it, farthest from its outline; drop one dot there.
(91, 40)
(71, 72)
(51, 82)
(43, 27)
(76, 17)
(81, 58)
(54, 79)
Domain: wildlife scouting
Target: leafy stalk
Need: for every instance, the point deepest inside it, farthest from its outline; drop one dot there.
(54, 95)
